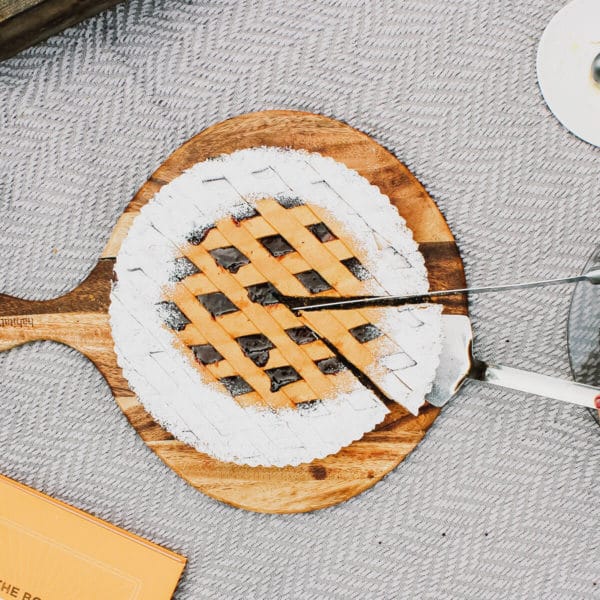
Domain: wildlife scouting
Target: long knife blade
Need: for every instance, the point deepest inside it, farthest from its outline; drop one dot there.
(311, 303)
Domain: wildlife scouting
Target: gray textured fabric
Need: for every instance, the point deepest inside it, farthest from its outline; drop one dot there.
(501, 499)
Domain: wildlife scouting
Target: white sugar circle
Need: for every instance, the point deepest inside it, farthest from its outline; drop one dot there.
(565, 56)
(180, 395)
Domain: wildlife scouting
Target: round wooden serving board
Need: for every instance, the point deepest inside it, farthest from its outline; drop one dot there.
(80, 319)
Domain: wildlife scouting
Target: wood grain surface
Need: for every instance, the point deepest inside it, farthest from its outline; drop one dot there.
(27, 22)
(80, 319)
(10, 8)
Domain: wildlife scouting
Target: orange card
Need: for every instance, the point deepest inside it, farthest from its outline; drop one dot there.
(52, 551)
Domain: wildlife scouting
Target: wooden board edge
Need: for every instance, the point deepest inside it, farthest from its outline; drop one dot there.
(43, 20)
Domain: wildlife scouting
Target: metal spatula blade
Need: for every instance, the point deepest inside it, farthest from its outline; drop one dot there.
(457, 364)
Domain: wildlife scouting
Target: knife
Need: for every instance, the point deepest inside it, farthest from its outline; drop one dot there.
(304, 304)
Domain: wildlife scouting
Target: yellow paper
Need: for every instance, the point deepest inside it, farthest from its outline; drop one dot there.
(52, 551)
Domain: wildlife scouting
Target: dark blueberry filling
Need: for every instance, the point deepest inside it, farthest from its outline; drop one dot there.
(289, 201)
(356, 268)
(236, 386)
(310, 405)
(198, 235)
(206, 354)
(313, 282)
(276, 245)
(281, 376)
(182, 268)
(256, 347)
(171, 315)
(301, 335)
(330, 366)
(365, 333)
(217, 303)
(229, 258)
(263, 293)
(322, 232)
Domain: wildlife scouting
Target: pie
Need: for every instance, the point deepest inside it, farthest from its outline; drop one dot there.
(203, 319)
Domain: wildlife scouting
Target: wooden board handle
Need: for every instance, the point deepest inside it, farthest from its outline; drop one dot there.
(66, 319)
(18, 324)
(78, 319)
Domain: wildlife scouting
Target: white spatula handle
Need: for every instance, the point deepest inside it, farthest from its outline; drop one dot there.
(541, 385)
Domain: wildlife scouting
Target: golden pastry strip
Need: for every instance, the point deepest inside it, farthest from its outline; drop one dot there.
(213, 373)
(303, 214)
(258, 227)
(313, 251)
(330, 325)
